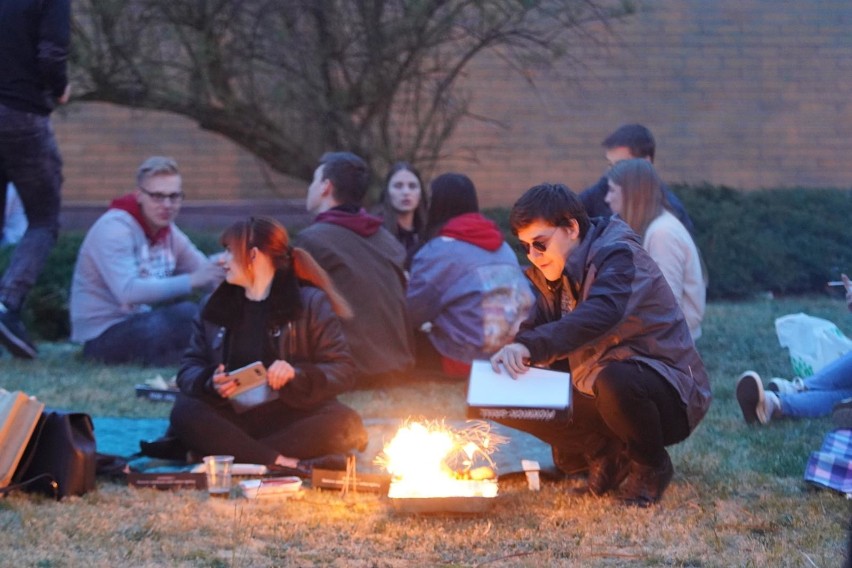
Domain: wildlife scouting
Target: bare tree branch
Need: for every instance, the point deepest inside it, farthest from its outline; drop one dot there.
(290, 79)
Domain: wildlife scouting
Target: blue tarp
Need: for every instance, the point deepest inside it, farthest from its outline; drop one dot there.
(121, 436)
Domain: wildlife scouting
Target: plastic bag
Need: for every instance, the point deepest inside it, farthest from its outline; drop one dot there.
(813, 342)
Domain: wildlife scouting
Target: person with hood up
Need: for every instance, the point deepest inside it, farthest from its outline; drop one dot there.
(132, 257)
(365, 262)
(467, 295)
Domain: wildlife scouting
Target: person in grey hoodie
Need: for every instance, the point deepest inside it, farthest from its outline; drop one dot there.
(133, 268)
(467, 295)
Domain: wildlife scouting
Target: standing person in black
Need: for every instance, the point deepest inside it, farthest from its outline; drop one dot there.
(628, 142)
(34, 43)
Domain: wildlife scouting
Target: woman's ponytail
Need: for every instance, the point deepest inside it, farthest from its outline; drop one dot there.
(306, 268)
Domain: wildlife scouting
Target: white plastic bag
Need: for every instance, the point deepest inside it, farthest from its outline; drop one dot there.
(813, 342)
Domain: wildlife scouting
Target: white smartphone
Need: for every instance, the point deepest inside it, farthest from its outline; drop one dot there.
(248, 377)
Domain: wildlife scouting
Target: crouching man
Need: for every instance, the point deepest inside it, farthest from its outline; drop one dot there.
(605, 311)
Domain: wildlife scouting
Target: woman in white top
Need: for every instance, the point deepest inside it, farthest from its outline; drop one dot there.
(636, 195)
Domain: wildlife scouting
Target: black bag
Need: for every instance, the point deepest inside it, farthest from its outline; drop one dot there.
(60, 458)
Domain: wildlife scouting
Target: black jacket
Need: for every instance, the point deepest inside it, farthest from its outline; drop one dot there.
(34, 43)
(625, 311)
(303, 330)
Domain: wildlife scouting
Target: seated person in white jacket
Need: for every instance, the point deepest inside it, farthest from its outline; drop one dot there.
(133, 269)
(636, 195)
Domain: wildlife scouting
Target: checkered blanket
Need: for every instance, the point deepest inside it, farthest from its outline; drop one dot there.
(831, 466)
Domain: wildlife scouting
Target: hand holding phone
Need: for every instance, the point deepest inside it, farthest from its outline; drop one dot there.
(280, 373)
(222, 382)
(246, 378)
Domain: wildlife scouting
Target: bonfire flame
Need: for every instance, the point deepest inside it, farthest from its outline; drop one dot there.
(430, 459)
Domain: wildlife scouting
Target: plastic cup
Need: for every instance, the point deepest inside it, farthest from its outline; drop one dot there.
(218, 469)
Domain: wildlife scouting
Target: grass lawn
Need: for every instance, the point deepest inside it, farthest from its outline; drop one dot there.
(737, 498)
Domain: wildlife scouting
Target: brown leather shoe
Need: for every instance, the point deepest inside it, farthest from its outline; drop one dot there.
(569, 463)
(608, 469)
(645, 484)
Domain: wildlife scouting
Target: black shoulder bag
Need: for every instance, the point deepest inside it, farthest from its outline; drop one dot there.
(60, 459)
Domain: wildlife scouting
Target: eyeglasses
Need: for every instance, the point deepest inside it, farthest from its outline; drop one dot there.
(540, 246)
(158, 197)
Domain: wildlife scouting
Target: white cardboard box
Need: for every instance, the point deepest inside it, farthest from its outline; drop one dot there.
(538, 394)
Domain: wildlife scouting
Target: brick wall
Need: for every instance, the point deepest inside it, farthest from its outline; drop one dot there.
(747, 93)
(102, 145)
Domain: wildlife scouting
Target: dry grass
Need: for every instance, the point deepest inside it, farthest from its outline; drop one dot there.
(737, 498)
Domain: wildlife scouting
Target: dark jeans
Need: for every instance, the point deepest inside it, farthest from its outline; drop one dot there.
(158, 337)
(209, 425)
(632, 403)
(30, 159)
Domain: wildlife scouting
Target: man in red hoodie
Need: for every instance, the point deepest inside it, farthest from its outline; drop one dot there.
(365, 262)
(132, 257)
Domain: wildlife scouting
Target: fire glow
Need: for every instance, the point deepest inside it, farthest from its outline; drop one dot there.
(434, 460)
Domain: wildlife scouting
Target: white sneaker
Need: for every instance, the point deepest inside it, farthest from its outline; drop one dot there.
(783, 386)
(756, 404)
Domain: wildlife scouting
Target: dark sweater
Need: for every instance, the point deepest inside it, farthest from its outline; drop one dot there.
(34, 43)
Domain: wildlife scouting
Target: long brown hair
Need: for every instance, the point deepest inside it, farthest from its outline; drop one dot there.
(641, 192)
(386, 211)
(271, 238)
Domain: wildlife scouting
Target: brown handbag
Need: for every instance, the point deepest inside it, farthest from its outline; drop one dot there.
(19, 415)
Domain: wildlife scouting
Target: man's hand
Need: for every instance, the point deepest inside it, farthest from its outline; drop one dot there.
(279, 374)
(208, 275)
(848, 285)
(514, 357)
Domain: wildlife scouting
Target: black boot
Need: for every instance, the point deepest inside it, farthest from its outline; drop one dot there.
(608, 468)
(645, 484)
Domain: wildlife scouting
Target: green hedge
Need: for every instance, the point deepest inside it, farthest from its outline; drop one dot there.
(46, 310)
(784, 241)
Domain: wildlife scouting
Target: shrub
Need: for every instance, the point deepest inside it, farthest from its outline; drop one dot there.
(46, 309)
(784, 241)
(45, 312)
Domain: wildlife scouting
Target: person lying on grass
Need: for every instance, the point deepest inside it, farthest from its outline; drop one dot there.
(279, 307)
(606, 313)
(809, 397)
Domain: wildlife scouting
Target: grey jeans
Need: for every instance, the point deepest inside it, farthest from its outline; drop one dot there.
(29, 158)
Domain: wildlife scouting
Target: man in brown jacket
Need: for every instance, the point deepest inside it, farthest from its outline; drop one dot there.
(606, 312)
(365, 262)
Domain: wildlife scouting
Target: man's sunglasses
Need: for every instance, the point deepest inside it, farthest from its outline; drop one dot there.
(537, 245)
(540, 246)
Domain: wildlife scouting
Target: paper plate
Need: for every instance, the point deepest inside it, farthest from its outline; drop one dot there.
(270, 487)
